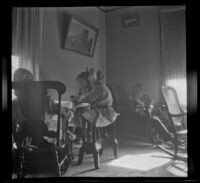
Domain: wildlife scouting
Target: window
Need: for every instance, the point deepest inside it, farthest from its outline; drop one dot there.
(180, 85)
(15, 66)
(174, 52)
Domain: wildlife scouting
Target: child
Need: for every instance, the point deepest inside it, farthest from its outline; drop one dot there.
(100, 112)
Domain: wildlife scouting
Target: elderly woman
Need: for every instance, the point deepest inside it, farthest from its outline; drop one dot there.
(18, 119)
(34, 135)
(20, 75)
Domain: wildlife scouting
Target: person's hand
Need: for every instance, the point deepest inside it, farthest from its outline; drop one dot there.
(74, 99)
(64, 112)
(26, 143)
(67, 114)
(71, 135)
(14, 146)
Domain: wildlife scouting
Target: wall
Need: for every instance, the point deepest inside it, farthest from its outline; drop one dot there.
(133, 54)
(61, 64)
(126, 56)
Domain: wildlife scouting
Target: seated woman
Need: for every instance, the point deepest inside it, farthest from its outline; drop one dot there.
(18, 119)
(99, 111)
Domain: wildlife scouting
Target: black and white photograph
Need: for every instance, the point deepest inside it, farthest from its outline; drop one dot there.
(111, 102)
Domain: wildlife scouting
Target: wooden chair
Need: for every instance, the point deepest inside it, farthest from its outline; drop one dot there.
(89, 138)
(113, 127)
(176, 120)
(49, 158)
(89, 145)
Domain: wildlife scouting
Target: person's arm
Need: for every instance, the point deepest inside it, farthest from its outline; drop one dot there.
(53, 107)
(148, 100)
(93, 95)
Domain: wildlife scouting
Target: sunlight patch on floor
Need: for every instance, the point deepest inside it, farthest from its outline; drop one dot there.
(142, 162)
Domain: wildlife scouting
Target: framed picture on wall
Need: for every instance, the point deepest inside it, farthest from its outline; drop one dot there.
(81, 37)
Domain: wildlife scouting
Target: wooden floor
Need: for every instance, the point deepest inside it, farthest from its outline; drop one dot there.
(136, 158)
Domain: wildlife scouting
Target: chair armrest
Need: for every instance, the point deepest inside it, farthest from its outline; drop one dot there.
(182, 132)
(178, 115)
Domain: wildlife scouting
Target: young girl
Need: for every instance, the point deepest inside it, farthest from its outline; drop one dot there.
(100, 111)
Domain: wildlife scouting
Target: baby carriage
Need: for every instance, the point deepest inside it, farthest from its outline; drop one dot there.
(41, 156)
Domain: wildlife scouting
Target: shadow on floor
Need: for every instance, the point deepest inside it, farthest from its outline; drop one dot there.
(136, 158)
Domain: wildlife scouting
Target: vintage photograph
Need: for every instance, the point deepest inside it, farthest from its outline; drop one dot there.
(81, 37)
(110, 102)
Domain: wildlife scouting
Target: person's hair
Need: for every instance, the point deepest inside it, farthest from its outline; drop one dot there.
(84, 76)
(22, 74)
(100, 76)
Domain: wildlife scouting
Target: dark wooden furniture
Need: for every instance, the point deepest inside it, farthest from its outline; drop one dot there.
(48, 158)
(109, 134)
(147, 121)
(90, 145)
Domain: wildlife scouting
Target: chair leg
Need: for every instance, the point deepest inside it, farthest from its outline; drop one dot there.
(115, 142)
(20, 168)
(175, 138)
(101, 137)
(82, 149)
(89, 147)
(101, 151)
(96, 159)
(81, 154)
(176, 146)
(115, 148)
(71, 150)
(95, 151)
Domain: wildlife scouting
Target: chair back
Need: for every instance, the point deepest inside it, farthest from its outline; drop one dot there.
(32, 97)
(177, 115)
(115, 98)
(171, 100)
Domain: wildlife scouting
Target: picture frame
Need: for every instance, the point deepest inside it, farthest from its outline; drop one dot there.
(81, 37)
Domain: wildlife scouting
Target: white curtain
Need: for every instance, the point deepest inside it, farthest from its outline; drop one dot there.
(27, 38)
(173, 29)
